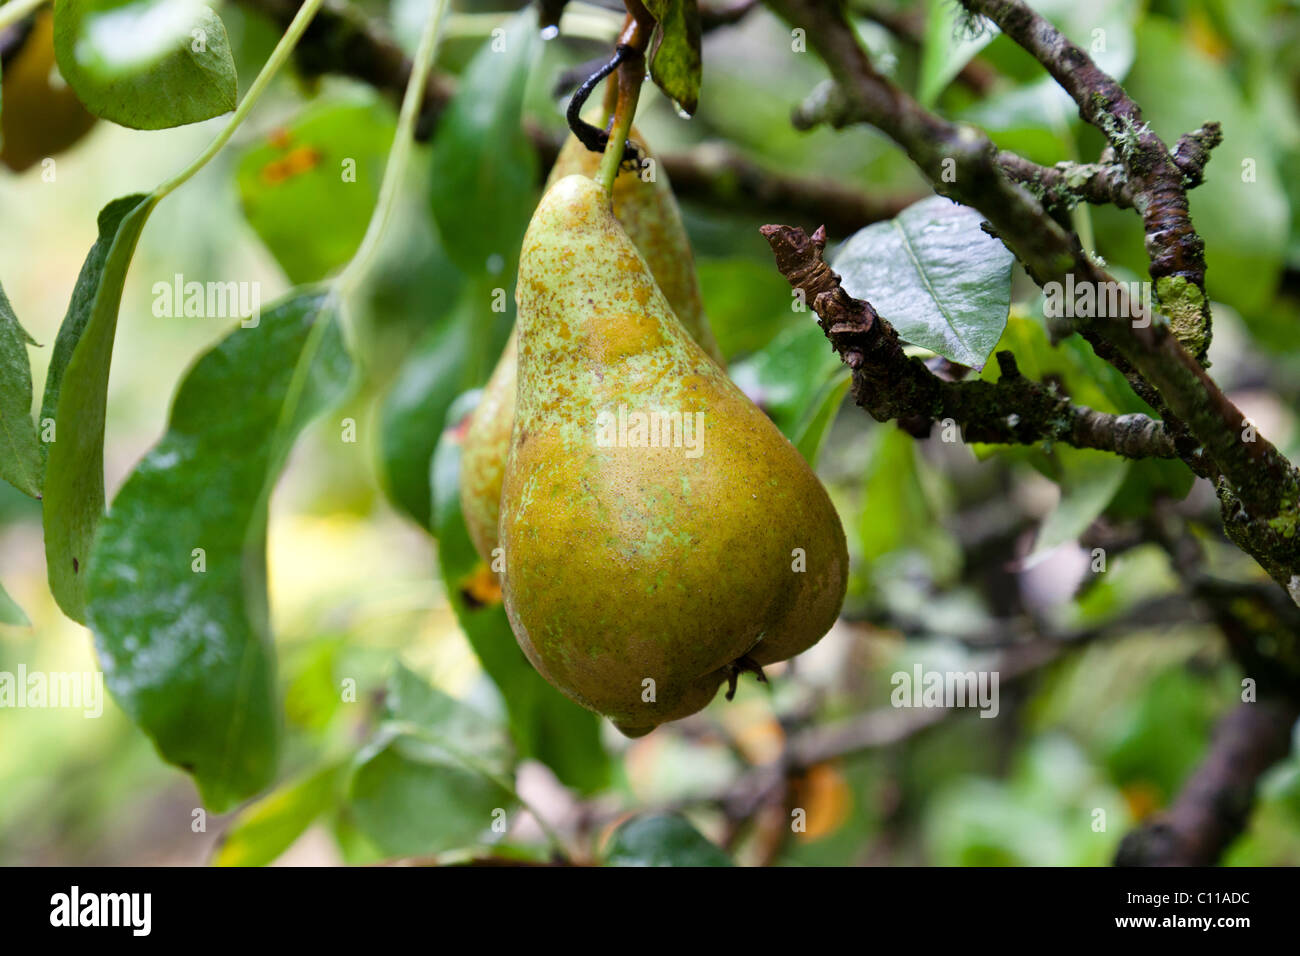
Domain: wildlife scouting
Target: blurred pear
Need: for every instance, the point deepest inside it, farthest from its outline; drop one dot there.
(40, 115)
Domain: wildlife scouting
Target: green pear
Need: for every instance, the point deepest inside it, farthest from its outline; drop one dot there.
(649, 214)
(660, 533)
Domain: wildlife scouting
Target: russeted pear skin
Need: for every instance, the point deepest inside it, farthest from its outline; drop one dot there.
(483, 451)
(652, 220)
(626, 564)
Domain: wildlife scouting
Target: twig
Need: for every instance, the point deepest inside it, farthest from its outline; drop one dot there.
(1259, 489)
(889, 384)
(716, 15)
(1065, 185)
(345, 42)
(1158, 182)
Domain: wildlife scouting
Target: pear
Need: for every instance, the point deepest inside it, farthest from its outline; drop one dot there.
(660, 533)
(649, 214)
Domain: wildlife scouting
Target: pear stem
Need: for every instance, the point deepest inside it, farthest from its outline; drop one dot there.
(632, 44)
(630, 74)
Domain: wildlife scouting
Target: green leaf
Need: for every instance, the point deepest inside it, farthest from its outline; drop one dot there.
(186, 647)
(10, 612)
(324, 168)
(812, 431)
(83, 350)
(675, 61)
(895, 511)
(1158, 739)
(749, 303)
(414, 411)
(1088, 480)
(787, 376)
(484, 168)
(544, 724)
(434, 776)
(936, 276)
(145, 64)
(948, 45)
(264, 830)
(662, 839)
(20, 452)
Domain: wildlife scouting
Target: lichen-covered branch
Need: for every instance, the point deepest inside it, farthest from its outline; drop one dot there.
(1065, 185)
(889, 384)
(1176, 252)
(1259, 488)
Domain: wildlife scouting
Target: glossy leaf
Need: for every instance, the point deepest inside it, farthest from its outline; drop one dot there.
(932, 272)
(433, 778)
(324, 168)
(484, 168)
(20, 452)
(812, 431)
(675, 61)
(146, 64)
(786, 377)
(184, 635)
(895, 512)
(662, 839)
(544, 724)
(415, 409)
(76, 389)
(264, 830)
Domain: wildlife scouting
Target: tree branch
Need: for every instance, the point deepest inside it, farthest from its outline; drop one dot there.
(1065, 185)
(1158, 187)
(1259, 489)
(1214, 805)
(343, 41)
(889, 384)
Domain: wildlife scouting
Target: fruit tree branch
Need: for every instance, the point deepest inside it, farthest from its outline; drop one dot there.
(1158, 185)
(889, 384)
(1214, 805)
(1259, 489)
(343, 41)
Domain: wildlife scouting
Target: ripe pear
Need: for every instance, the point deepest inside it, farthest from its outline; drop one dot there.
(42, 116)
(652, 220)
(641, 573)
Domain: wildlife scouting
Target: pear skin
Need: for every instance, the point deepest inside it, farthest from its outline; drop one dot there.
(641, 576)
(652, 220)
(650, 216)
